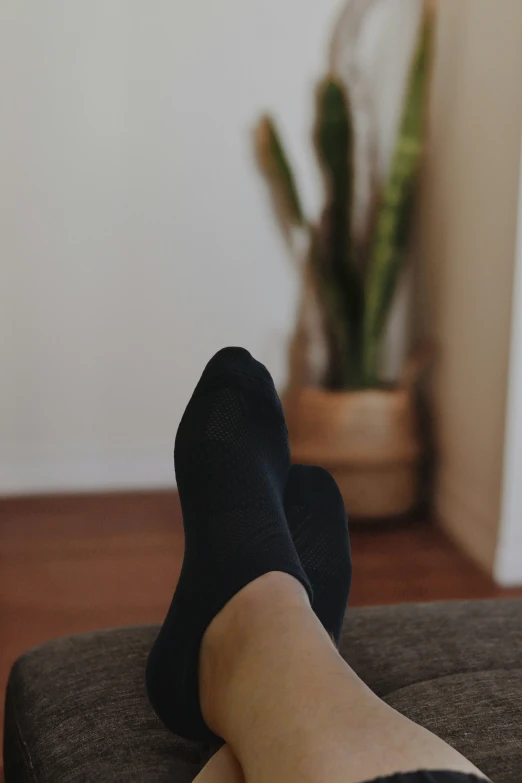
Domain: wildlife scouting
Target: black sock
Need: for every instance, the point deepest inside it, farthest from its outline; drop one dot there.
(317, 520)
(232, 462)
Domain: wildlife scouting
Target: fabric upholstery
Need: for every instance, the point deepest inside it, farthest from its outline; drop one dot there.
(76, 708)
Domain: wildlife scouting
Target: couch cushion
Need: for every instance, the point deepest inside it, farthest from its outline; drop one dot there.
(76, 708)
(391, 647)
(479, 713)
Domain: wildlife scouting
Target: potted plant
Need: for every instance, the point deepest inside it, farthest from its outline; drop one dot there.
(362, 429)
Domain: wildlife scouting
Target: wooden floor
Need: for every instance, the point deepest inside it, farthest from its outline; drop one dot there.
(70, 564)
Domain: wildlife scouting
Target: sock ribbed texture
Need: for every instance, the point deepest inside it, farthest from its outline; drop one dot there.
(232, 462)
(317, 520)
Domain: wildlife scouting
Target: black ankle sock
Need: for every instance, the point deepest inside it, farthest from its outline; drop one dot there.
(317, 520)
(232, 462)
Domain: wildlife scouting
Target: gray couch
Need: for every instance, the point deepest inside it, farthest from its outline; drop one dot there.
(76, 708)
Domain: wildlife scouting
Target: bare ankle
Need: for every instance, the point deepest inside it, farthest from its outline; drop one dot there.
(238, 627)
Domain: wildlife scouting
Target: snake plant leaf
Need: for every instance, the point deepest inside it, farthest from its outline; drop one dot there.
(276, 166)
(347, 53)
(393, 220)
(341, 280)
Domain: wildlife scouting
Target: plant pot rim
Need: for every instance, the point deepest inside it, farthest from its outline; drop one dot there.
(358, 459)
(321, 391)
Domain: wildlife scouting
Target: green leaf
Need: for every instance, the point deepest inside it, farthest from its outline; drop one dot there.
(276, 166)
(392, 230)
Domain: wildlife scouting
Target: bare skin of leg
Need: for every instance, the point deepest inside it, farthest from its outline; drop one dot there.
(274, 686)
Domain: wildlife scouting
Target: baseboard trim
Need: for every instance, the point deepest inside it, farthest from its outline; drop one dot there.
(508, 565)
(470, 526)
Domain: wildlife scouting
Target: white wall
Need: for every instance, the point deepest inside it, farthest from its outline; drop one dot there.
(136, 236)
(508, 561)
(467, 239)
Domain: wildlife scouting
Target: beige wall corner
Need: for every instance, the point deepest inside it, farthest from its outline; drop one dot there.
(467, 243)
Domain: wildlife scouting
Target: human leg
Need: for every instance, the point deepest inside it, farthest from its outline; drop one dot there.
(273, 685)
(317, 521)
(232, 461)
(270, 680)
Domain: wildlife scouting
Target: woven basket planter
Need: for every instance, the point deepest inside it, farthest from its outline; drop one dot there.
(368, 440)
